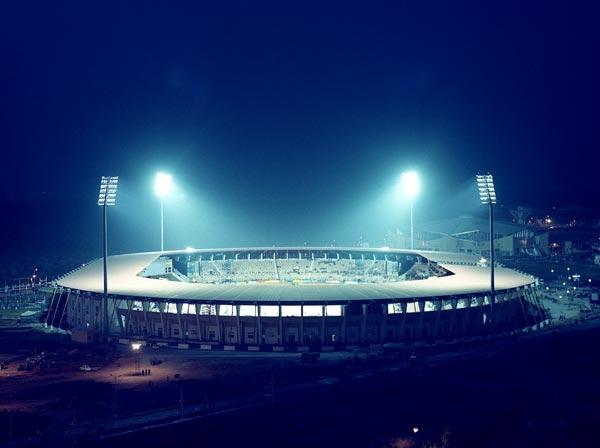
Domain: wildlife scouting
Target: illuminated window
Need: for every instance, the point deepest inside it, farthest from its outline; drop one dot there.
(333, 310)
(208, 310)
(171, 308)
(394, 308)
(269, 310)
(188, 308)
(153, 306)
(227, 310)
(248, 310)
(291, 311)
(313, 310)
(412, 307)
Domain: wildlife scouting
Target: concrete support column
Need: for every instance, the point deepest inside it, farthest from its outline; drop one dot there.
(301, 336)
(384, 313)
(515, 303)
(280, 325)
(421, 318)
(438, 314)
(60, 296)
(344, 311)
(323, 310)
(239, 324)
(520, 298)
(178, 307)
(117, 307)
(500, 310)
(218, 322)
(467, 316)
(259, 326)
(481, 310)
(534, 304)
(363, 325)
(403, 307)
(75, 312)
(129, 306)
(454, 316)
(64, 308)
(161, 306)
(48, 322)
(540, 312)
(197, 313)
(145, 307)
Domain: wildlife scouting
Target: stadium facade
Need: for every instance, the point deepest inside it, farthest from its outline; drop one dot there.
(293, 298)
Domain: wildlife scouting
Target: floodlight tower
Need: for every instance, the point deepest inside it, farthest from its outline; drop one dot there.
(107, 196)
(410, 187)
(487, 196)
(162, 187)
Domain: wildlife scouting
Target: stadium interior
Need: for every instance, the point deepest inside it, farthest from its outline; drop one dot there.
(294, 267)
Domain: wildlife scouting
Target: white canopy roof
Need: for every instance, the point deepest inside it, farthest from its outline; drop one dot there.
(123, 280)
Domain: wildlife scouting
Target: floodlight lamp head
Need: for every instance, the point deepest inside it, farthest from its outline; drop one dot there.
(410, 184)
(487, 191)
(107, 194)
(162, 184)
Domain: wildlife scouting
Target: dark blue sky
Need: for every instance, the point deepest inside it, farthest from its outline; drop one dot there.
(285, 122)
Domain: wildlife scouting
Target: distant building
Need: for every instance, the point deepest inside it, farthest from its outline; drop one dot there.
(470, 235)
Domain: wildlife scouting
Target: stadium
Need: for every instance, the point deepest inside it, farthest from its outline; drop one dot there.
(296, 298)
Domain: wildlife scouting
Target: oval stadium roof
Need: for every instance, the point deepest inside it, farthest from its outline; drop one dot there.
(124, 280)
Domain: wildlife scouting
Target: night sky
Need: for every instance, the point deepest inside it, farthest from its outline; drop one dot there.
(288, 122)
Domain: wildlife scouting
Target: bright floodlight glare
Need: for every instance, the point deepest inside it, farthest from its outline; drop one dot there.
(410, 184)
(107, 194)
(136, 345)
(162, 184)
(487, 191)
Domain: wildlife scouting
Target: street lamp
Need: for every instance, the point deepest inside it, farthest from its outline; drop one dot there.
(107, 196)
(162, 187)
(410, 187)
(487, 196)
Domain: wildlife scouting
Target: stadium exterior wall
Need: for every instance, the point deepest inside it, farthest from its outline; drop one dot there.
(315, 325)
